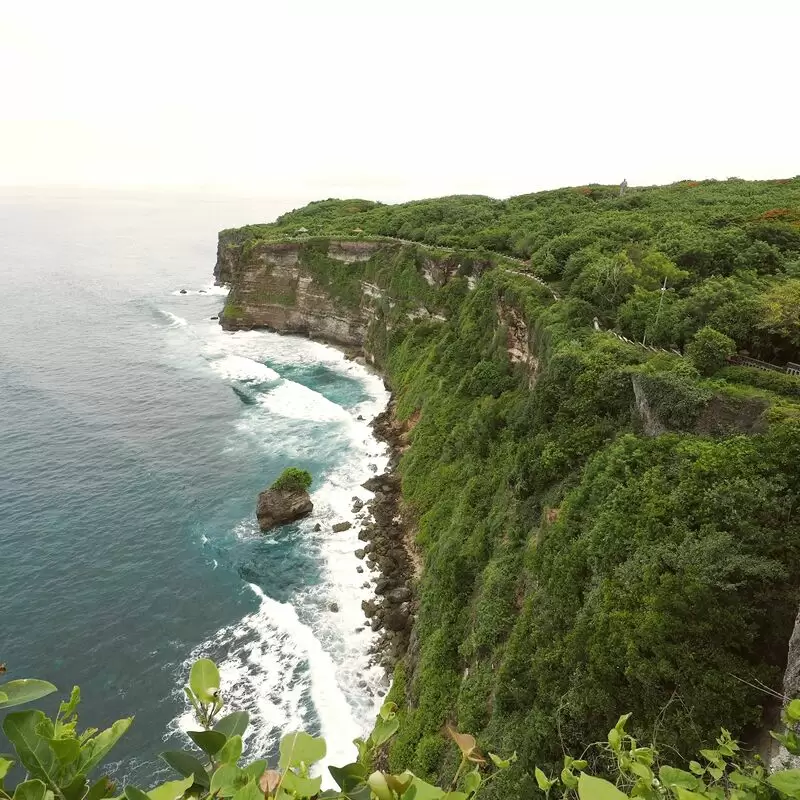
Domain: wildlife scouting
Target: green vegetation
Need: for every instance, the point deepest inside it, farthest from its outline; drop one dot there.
(293, 479)
(232, 311)
(710, 350)
(728, 250)
(573, 565)
(58, 761)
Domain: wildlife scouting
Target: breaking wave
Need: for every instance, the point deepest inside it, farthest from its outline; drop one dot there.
(301, 661)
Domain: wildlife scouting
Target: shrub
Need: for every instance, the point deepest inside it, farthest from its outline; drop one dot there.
(778, 382)
(710, 350)
(293, 479)
(58, 759)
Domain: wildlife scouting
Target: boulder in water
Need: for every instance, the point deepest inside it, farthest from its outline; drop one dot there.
(279, 506)
(286, 500)
(183, 291)
(342, 526)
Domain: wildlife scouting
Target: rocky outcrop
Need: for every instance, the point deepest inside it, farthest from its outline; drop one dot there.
(279, 506)
(390, 548)
(518, 341)
(663, 405)
(647, 417)
(325, 288)
(273, 287)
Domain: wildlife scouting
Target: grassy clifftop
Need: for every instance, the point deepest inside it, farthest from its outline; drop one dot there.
(576, 568)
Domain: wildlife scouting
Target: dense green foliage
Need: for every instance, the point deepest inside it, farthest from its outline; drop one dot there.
(293, 479)
(729, 251)
(710, 350)
(58, 760)
(574, 566)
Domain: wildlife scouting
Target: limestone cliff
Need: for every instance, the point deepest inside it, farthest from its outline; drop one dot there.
(346, 292)
(274, 286)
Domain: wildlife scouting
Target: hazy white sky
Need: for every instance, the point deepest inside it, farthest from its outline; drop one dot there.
(393, 99)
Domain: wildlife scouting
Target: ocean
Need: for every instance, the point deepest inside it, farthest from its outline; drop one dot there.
(135, 436)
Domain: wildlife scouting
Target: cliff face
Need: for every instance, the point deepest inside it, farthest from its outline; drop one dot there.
(274, 286)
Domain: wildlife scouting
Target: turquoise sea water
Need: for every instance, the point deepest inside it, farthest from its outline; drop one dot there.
(134, 438)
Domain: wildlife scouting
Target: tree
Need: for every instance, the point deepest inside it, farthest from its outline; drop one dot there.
(780, 312)
(710, 350)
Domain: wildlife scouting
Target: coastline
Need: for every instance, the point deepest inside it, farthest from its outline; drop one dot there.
(387, 533)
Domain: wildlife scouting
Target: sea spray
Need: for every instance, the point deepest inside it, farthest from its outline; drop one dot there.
(301, 661)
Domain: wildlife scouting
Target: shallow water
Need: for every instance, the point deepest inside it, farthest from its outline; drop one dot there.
(134, 437)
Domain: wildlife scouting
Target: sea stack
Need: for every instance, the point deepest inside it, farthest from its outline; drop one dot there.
(286, 500)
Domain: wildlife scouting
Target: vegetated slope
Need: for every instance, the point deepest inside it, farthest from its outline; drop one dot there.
(576, 568)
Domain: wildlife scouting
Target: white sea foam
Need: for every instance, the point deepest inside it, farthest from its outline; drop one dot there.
(293, 400)
(240, 368)
(209, 289)
(173, 319)
(300, 664)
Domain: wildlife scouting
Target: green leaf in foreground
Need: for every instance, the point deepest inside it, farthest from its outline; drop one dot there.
(302, 787)
(170, 790)
(787, 782)
(672, 776)
(101, 788)
(250, 791)
(224, 780)
(210, 742)
(34, 752)
(233, 724)
(204, 680)
(232, 751)
(96, 749)
(186, 764)
(591, 788)
(30, 790)
(132, 793)
(14, 693)
(420, 790)
(300, 748)
(5, 766)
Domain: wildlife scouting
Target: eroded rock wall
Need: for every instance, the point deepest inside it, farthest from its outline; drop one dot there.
(272, 287)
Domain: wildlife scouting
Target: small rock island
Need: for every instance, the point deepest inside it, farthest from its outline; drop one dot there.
(286, 500)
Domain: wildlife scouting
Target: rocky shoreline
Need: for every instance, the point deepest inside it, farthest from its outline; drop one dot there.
(387, 533)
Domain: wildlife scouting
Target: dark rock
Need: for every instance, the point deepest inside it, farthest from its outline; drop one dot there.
(373, 484)
(376, 625)
(359, 629)
(359, 569)
(342, 526)
(278, 506)
(317, 528)
(369, 607)
(369, 547)
(183, 291)
(382, 584)
(365, 585)
(396, 619)
(333, 607)
(213, 317)
(363, 535)
(372, 467)
(360, 553)
(399, 595)
(360, 417)
(201, 291)
(358, 504)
